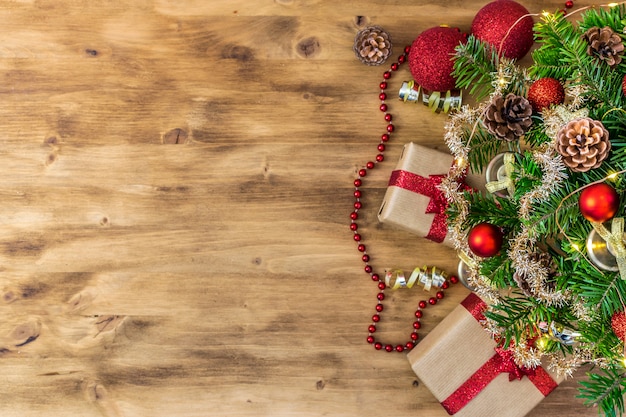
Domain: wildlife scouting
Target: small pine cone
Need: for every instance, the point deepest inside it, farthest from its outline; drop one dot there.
(583, 144)
(508, 118)
(605, 44)
(372, 45)
(546, 261)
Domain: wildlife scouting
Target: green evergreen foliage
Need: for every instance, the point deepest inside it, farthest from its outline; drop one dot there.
(555, 222)
(605, 390)
(474, 63)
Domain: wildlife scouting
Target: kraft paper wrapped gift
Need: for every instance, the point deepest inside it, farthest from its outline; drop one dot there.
(412, 202)
(459, 363)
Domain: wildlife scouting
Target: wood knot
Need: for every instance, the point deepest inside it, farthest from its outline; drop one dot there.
(80, 301)
(9, 297)
(308, 47)
(50, 159)
(361, 21)
(91, 52)
(416, 383)
(175, 137)
(320, 385)
(26, 333)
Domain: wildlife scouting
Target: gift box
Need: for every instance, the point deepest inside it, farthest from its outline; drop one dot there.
(412, 201)
(463, 367)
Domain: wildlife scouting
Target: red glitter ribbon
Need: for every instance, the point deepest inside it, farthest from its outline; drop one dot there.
(428, 187)
(501, 362)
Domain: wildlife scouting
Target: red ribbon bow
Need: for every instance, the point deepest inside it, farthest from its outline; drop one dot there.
(501, 362)
(507, 364)
(428, 187)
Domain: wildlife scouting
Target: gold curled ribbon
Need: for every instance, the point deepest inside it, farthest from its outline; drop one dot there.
(614, 241)
(507, 181)
(409, 91)
(427, 277)
(467, 260)
(436, 101)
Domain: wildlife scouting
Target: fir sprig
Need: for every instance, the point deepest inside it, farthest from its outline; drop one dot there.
(605, 390)
(474, 63)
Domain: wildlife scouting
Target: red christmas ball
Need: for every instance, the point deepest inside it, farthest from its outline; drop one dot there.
(485, 240)
(624, 85)
(499, 24)
(598, 202)
(430, 59)
(545, 92)
(618, 323)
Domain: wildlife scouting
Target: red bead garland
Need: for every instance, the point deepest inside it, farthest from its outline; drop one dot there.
(358, 182)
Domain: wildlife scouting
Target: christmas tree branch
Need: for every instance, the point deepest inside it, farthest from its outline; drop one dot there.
(605, 391)
(474, 63)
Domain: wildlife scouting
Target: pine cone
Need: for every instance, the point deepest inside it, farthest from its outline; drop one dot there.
(372, 45)
(605, 44)
(546, 261)
(583, 144)
(508, 118)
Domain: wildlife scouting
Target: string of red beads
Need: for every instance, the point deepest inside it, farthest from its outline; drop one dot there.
(358, 194)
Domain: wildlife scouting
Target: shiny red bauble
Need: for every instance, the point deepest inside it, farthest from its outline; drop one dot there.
(485, 240)
(500, 24)
(545, 92)
(598, 202)
(430, 59)
(624, 85)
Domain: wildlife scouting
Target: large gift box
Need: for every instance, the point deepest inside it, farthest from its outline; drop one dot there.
(412, 201)
(470, 375)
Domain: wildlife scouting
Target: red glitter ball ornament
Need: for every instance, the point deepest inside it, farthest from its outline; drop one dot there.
(545, 92)
(598, 202)
(485, 240)
(618, 323)
(624, 85)
(430, 59)
(497, 24)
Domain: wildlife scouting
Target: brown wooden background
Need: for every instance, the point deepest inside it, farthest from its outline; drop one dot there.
(177, 180)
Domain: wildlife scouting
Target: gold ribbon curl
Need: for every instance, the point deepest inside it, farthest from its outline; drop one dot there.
(507, 181)
(435, 100)
(615, 241)
(427, 277)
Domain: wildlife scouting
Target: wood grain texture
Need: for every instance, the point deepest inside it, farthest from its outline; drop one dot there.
(176, 190)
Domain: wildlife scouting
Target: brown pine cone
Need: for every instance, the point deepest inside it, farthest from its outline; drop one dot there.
(583, 144)
(546, 261)
(372, 45)
(605, 44)
(508, 118)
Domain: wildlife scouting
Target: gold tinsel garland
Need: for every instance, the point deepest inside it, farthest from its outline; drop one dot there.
(554, 173)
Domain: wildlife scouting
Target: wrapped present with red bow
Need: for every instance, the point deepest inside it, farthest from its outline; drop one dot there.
(487, 381)
(413, 201)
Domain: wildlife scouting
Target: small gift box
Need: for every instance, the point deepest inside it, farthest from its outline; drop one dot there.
(412, 201)
(470, 376)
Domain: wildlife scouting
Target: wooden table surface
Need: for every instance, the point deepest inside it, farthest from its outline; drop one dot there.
(176, 191)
